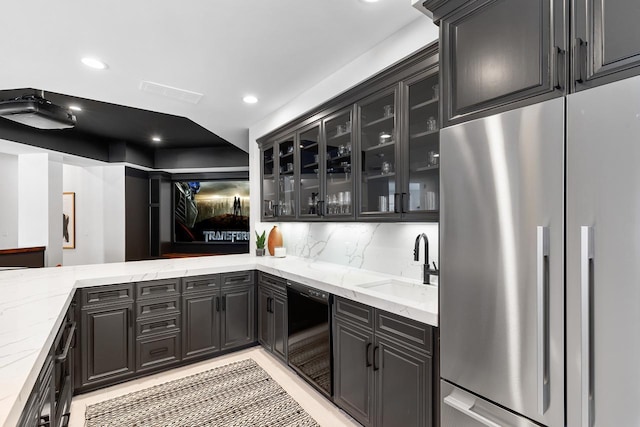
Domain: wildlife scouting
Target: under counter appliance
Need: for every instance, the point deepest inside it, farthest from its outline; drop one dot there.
(309, 335)
(502, 269)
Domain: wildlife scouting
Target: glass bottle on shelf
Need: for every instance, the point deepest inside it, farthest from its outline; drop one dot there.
(338, 155)
(423, 158)
(308, 169)
(378, 154)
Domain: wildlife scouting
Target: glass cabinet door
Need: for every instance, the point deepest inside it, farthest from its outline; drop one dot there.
(269, 200)
(286, 178)
(338, 200)
(378, 151)
(424, 148)
(309, 172)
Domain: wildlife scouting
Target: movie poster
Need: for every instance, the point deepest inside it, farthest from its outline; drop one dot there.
(211, 211)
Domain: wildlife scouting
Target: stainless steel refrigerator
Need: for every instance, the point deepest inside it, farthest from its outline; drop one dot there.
(502, 269)
(603, 256)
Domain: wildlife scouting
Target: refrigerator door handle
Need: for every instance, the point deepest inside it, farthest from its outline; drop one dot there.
(542, 285)
(586, 287)
(464, 403)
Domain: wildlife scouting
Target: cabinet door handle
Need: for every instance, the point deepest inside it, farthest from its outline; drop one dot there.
(375, 358)
(396, 205)
(320, 207)
(586, 287)
(158, 351)
(367, 354)
(542, 279)
(403, 203)
(275, 211)
(67, 345)
(217, 303)
(224, 302)
(560, 65)
(270, 304)
(581, 60)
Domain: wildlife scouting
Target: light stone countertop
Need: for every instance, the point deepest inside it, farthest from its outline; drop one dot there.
(34, 302)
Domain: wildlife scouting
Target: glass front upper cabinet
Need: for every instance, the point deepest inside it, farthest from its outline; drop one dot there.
(423, 159)
(379, 155)
(269, 200)
(339, 186)
(309, 172)
(286, 177)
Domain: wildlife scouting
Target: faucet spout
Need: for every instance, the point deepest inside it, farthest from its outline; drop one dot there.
(416, 257)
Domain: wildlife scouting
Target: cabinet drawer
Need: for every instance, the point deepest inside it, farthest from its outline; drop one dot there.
(354, 312)
(158, 325)
(107, 294)
(158, 307)
(406, 331)
(237, 278)
(152, 352)
(200, 283)
(157, 288)
(275, 282)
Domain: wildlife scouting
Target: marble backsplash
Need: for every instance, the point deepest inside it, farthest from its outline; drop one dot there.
(385, 248)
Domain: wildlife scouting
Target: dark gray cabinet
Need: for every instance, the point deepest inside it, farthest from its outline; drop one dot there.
(382, 366)
(368, 155)
(107, 334)
(201, 317)
(272, 314)
(238, 316)
(606, 39)
(502, 54)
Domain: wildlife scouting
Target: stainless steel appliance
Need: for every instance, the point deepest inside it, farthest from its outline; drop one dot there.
(502, 269)
(603, 255)
(309, 335)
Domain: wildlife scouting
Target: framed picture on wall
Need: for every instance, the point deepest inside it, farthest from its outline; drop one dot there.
(68, 220)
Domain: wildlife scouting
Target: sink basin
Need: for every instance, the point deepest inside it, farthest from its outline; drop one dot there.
(396, 288)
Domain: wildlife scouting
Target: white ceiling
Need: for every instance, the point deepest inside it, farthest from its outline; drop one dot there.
(275, 49)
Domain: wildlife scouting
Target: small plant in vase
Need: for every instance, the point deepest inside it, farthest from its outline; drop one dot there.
(260, 242)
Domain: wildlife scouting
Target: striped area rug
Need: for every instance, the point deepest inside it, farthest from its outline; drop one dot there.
(237, 394)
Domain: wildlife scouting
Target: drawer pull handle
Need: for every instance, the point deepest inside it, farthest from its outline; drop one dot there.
(159, 351)
(163, 306)
(67, 345)
(108, 295)
(159, 325)
(156, 289)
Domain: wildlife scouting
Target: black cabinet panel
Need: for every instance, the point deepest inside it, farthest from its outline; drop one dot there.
(201, 320)
(403, 389)
(265, 320)
(238, 309)
(353, 374)
(107, 343)
(280, 336)
(499, 52)
(156, 351)
(607, 41)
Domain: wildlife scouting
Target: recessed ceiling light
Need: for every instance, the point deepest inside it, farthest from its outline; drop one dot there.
(250, 99)
(75, 108)
(156, 139)
(94, 63)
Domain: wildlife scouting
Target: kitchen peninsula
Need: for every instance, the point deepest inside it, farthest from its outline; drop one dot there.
(42, 296)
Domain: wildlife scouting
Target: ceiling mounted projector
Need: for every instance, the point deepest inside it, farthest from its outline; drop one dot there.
(37, 112)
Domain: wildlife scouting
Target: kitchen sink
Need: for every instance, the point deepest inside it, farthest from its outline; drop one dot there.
(396, 288)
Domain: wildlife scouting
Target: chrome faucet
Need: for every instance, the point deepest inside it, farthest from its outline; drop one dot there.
(427, 271)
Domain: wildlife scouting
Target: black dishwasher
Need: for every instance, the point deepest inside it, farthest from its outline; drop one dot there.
(309, 339)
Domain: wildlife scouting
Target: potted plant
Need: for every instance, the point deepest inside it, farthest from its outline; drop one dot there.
(260, 241)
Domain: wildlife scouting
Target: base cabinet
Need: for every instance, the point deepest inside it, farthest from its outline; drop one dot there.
(201, 318)
(272, 314)
(107, 343)
(238, 316)
(382, 367)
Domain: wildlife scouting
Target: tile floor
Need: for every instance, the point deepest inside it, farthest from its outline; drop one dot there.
(316, 405)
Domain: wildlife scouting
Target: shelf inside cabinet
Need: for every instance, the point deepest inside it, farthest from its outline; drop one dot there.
(335, 159)
(269, 176)
(380, 146)
(268, 161)
(424, 104)
(306, 147)
(378, 121)
(423, 134)
(427, 168)
(338, 135)
(386, 175)
(309, 165)
(285, 155)
(288, 173)
(311, 187)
